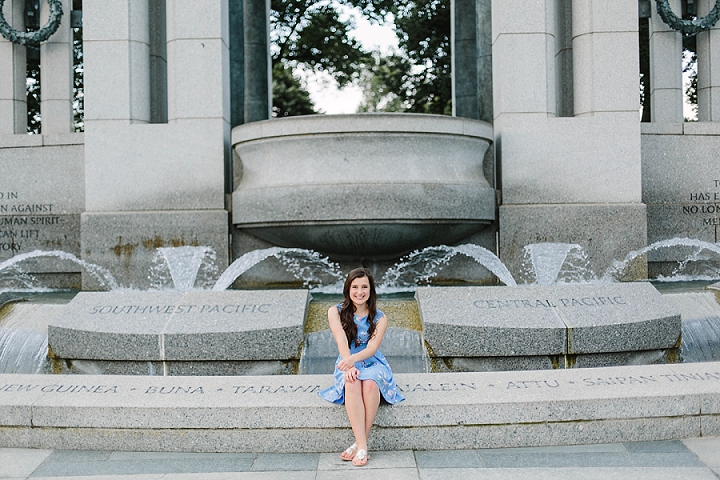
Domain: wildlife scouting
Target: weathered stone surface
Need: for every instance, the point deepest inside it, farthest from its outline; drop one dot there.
(546, 320)
(125, 243)
(467, 321)
(606, 232)
(172, 326)
(418, 171)
(442, 411)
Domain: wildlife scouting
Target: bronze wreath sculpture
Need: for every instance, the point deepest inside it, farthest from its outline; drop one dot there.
(688, 27)
(33, 38)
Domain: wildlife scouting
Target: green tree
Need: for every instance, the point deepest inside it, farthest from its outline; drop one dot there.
(423, 29)
(289, 95)
(382, 84)
(310, 34)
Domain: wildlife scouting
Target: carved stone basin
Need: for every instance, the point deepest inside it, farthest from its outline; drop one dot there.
(364, 185)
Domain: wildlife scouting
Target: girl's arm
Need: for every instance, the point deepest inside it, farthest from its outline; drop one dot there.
(368, 351)
(350, 372)
(338, 332)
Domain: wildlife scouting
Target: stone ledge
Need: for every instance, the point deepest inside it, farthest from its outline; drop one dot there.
(532, 320)
(171, 326)
(284, 413)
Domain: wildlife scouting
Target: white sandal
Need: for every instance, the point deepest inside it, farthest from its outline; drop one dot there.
(361, 456)
(351, 450)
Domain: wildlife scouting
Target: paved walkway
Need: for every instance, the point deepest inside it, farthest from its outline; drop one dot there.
(693, 459)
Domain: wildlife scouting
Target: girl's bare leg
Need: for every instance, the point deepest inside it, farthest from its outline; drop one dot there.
(355, 407)
(371, 400)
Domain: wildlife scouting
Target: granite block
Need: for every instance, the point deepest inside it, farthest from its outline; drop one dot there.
(617, 318)
(237, 325)
(493, 364)
(17, 395)
(546, 320)
(489, 321)
(710, 425)
(285, 413)
(172, 326)
(112, 325)
(606, 232)
(125, 243)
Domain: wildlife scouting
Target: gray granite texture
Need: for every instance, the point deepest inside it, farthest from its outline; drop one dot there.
(412, 171)
(546, 320)
(172, 326)
(682, 195)
(605, 231)
(285, 413)
(125, 243)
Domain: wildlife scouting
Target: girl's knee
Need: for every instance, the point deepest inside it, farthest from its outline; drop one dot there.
(370, 386)
(353, 388)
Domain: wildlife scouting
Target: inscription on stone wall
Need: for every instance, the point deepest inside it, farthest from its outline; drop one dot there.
(554, 303)
(178, 309)
(27, 226)
(704, 207)
(661, 380)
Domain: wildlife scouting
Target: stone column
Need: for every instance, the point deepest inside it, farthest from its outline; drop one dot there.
(464, 57)
(523, 57)
(158, 61)
(564, 59)
(605, 47)
(666, 83)
(117, 66)
(152, 185)
(573, 179)
(56, 74)
(258, 68)
(708, 45)
(13, 99)
(237, 64)
(484, 60)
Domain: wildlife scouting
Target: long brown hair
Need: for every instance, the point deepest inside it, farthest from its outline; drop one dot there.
(348, 308)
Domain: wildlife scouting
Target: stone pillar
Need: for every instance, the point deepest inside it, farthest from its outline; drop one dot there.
(237, 65)
(484, 60)
(564, 59)
(523, 57)
(117, 66)
(464, 57)
(56, 74)
(198, 59)
(158, 61)
(666, 83)
(568, 180)
(605, 45)
(13, 65)
(258, 68)
(152, 185)
(708, 45)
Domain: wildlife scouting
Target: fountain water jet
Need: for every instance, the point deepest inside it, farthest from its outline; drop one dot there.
(101, 274)
(550, 263)
(423, 265)
(183, 265)
(618, 268)
(304, 264)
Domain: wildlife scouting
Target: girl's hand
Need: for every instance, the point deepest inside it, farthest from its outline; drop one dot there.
(346, 364)
(351, 375)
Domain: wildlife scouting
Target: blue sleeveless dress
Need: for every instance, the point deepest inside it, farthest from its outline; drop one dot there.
(373, 368)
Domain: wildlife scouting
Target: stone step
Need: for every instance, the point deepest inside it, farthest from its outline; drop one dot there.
(285, 413)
